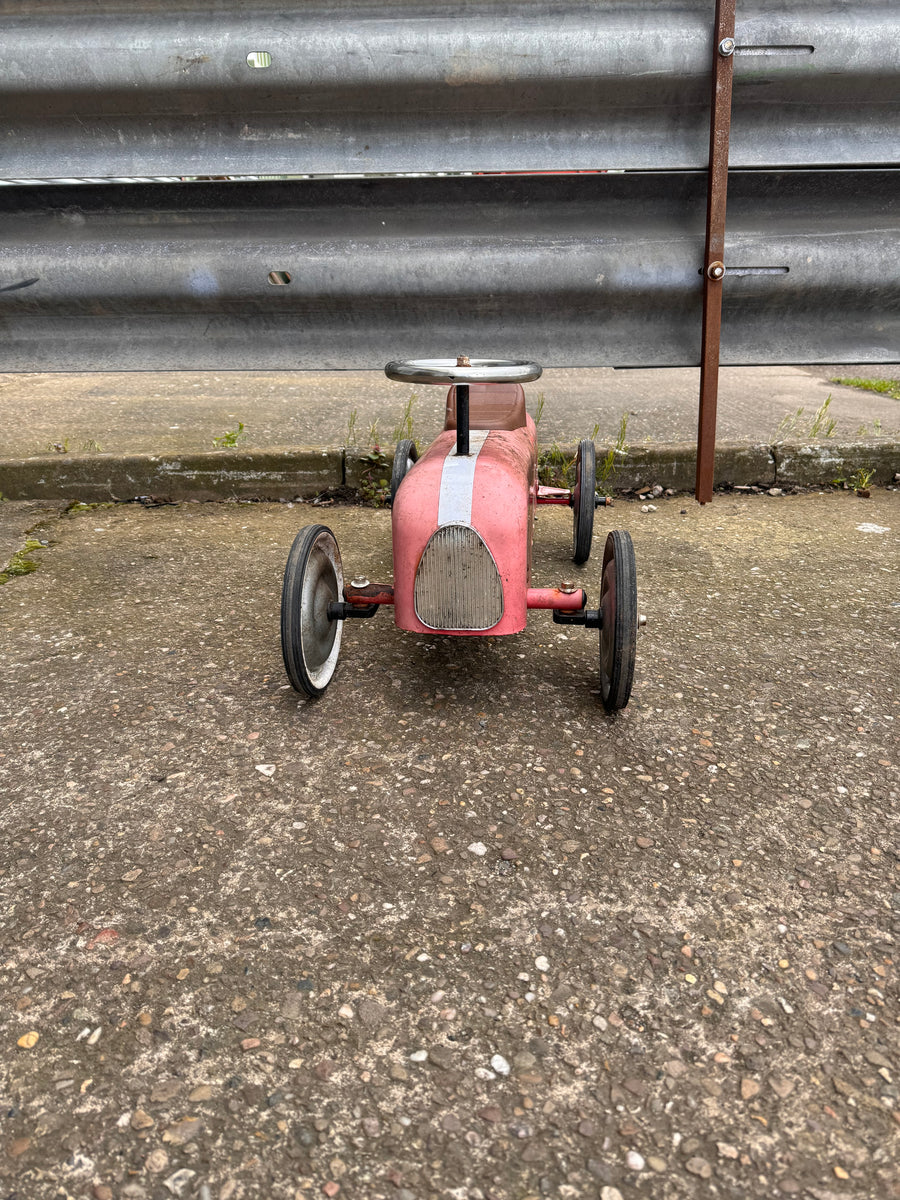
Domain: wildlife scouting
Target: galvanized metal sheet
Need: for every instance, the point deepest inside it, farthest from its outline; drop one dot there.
(588, 270)
(155, 87)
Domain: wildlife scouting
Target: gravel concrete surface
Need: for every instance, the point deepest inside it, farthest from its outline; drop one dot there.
(450, 932)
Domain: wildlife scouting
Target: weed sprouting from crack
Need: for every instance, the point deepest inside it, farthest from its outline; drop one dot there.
(229, 439)
(405, 427)
(792, 425)
(557, 466)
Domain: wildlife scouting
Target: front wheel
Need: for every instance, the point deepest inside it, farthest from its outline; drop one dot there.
(583, 499)
(618, 620)
(313, 579)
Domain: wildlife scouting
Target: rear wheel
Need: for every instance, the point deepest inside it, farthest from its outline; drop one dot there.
(618, 620)
(313, 579)
(404, 457)
(583, 501)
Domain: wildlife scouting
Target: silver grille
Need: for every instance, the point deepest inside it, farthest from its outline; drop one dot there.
(457, 584)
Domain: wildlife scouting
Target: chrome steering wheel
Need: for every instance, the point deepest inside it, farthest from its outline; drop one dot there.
(463, 370)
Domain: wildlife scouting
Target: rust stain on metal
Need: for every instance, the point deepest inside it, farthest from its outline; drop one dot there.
(184, 65)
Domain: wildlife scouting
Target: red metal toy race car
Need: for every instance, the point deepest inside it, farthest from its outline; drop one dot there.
(462, 521)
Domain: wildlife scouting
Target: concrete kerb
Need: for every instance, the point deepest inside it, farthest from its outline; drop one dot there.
(211, 475)
(672, 465)
(675, 466)
(805, 465)
(283, 474)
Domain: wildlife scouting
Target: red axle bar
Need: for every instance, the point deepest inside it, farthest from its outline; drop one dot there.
(372, 593)
(553, 495)
(554, 598)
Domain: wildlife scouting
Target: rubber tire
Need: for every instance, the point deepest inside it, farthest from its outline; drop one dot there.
(583, 500)
(404, 457)
(312, 578)
(618, 625)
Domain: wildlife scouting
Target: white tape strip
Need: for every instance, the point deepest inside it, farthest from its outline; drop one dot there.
(458, 481)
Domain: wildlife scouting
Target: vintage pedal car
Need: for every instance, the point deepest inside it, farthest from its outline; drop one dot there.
(462, 520)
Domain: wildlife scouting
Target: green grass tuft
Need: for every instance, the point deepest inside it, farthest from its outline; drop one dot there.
(230, 439)
(884, 387)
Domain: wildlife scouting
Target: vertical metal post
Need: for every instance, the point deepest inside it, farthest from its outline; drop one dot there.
(462, 420)
(713, 260)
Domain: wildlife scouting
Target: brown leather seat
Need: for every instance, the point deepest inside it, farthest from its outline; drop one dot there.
(491, 406)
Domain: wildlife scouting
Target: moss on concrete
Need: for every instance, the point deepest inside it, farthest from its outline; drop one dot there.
(21, 562)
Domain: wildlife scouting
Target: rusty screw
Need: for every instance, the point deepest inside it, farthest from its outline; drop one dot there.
(726, 47)
(567, 587)
(715, 270)
(462, 360)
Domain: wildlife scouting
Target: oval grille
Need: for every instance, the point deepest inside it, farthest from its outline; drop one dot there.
(458, 585)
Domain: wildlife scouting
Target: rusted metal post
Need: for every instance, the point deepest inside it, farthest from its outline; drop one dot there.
(713, 260)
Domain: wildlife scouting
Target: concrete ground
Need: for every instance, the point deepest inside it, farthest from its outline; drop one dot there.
(180, 413)
(450, 931)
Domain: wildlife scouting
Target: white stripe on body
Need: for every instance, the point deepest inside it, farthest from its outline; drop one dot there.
(458, 481)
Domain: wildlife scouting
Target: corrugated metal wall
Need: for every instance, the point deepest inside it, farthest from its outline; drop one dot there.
(600, 269)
